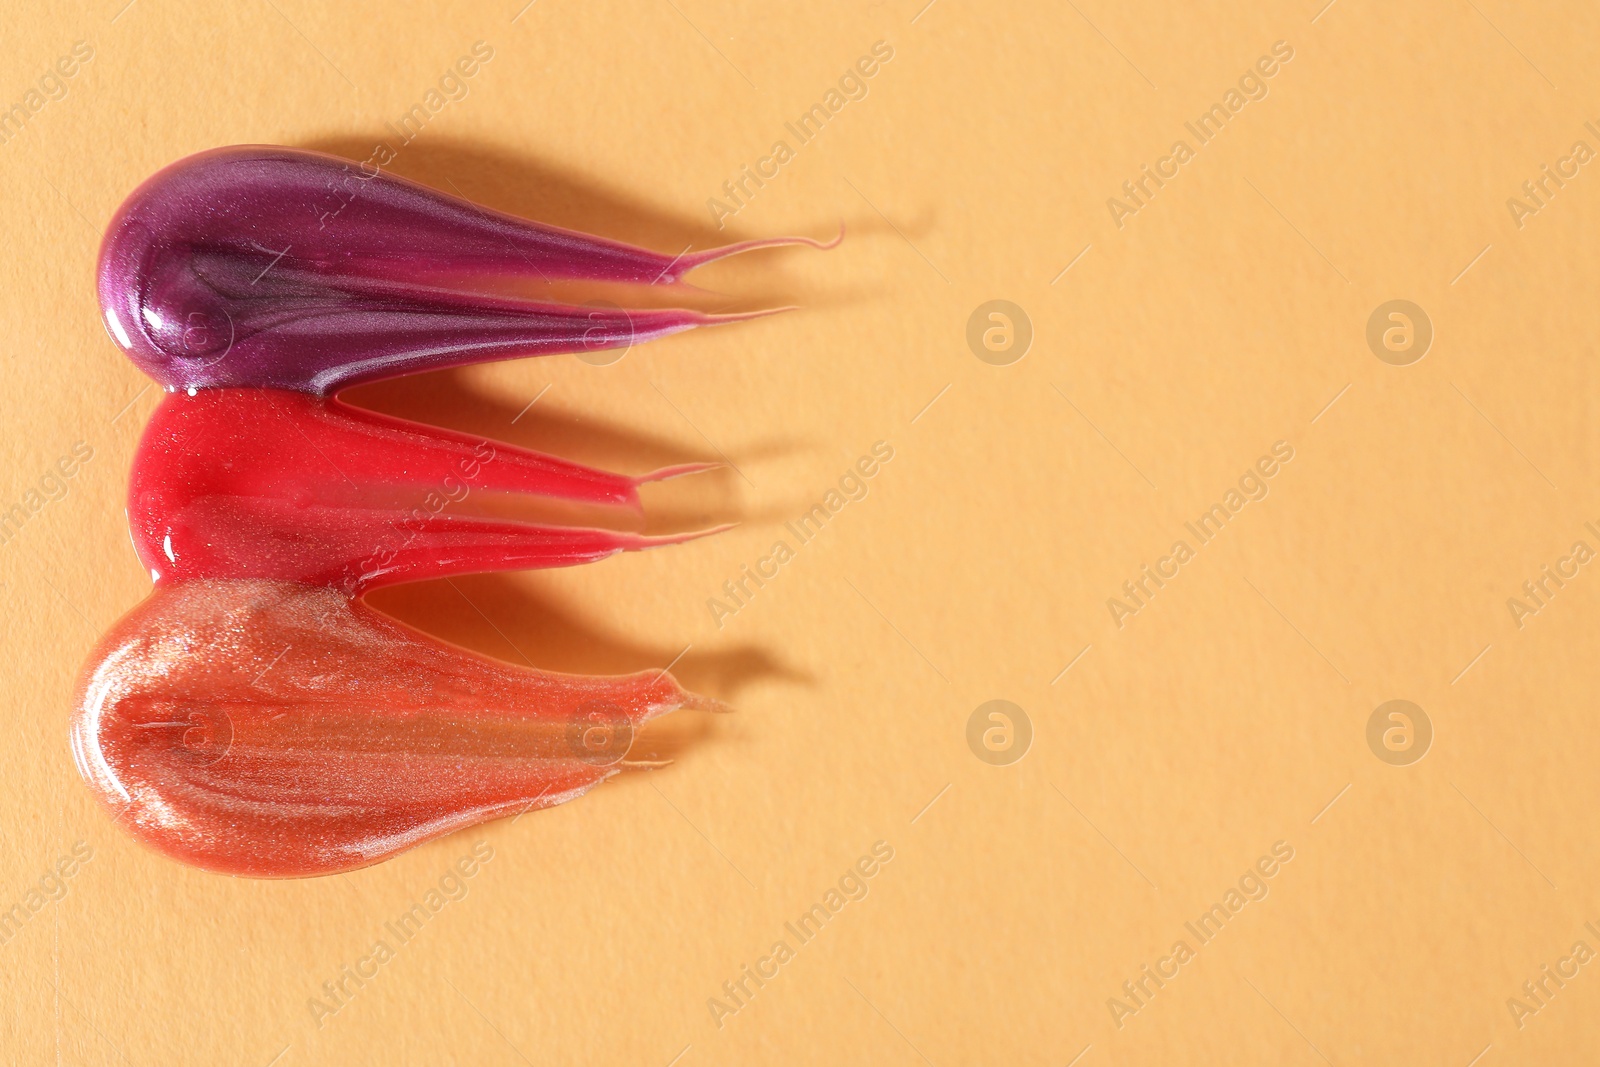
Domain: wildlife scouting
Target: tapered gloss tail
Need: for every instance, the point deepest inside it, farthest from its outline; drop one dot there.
(445, 546)
(341, 346)
(696, 702)
(681, 470)
(688, 263)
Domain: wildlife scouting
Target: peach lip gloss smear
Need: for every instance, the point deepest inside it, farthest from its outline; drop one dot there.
(277, 729)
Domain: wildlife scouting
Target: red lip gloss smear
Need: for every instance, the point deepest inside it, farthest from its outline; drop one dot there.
(273, 729)
(268, 483)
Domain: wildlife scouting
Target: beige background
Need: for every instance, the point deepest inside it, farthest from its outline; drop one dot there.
(1227, 715)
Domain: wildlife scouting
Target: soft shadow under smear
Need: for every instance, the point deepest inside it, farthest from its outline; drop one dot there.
(495, 614)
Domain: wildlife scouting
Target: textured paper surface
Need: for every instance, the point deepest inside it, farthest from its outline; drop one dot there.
(1174, 342)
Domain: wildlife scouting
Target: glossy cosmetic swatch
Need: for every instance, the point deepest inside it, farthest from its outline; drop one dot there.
(252, 716)
(263, 266)
(264, 483)
(278, 730)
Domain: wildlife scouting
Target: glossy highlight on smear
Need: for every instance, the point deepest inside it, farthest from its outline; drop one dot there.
(290, 269)
(276, 729)
(253, 716)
